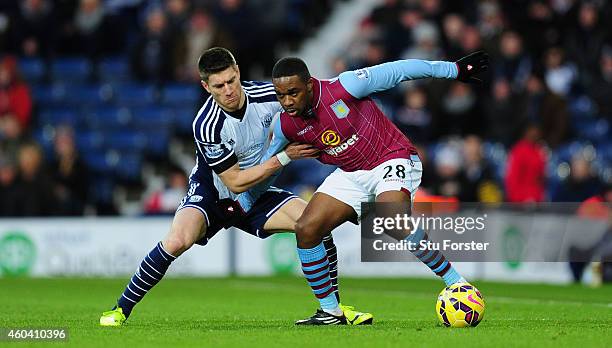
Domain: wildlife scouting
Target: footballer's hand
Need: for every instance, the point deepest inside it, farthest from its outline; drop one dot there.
(298, 150)
(471, 65)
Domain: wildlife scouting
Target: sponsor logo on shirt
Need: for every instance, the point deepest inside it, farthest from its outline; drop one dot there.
(330, 138)
(335, 151)
(340, 109)
(251, 150)
(303, 131)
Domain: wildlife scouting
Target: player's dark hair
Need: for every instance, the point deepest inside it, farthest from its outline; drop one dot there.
(214, 60)
(290, 67)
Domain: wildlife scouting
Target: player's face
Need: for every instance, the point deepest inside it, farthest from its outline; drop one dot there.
(294, 94)
(225, 88)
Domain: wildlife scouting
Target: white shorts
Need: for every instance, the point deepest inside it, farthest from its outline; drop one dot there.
(353, 188)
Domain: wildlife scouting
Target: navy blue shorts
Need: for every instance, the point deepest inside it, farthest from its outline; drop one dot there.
(206, 201)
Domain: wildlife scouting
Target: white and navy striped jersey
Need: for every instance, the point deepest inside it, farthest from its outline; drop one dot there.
(223, 140)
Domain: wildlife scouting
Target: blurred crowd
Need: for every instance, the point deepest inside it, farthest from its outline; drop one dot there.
(161, 40)
(538, 129)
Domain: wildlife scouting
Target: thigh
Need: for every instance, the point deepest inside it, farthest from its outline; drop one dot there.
(394, 203)
(198, 208)
(188, 223)
(324, 213)
(284, 219)
(258, 220)
(342, 187)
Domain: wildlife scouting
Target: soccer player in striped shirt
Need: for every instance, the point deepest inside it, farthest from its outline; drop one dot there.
(231, 133)
(376, 161)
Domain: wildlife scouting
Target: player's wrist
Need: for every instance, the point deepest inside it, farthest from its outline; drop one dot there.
(283, 158)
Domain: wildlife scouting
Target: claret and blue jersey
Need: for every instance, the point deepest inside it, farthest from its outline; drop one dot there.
(349, 128)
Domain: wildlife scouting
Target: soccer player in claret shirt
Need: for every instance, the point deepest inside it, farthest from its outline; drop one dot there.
(230, 132)
(376, 161)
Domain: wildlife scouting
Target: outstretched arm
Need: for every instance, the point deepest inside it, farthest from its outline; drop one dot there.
(363, 82)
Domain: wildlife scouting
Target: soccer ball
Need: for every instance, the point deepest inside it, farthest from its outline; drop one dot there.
(460, 305)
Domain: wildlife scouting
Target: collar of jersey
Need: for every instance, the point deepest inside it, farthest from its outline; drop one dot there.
(317, 91)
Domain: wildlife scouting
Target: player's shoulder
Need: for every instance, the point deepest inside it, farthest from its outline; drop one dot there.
(208, 123)
(259, 91)
(335, 87)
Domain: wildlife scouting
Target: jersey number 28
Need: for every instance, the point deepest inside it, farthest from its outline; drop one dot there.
(400, 171)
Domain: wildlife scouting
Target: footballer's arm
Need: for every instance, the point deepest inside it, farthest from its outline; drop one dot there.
(239, 180)
(363, 82)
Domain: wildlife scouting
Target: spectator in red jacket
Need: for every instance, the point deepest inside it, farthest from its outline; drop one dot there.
(525, 176)
(15, 100)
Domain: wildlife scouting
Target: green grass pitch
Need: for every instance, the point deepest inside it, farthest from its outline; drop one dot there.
(259, 312)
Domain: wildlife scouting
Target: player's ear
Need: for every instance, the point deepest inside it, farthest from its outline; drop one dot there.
(309, 86)
(237, 71)
(205, 85)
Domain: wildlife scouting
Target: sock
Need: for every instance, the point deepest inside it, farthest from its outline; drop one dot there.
(435, 260)
(316, 270)
(150, 272)
(332, 257)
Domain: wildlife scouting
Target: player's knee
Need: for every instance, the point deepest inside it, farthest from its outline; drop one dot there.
(307, 231)
(179, 240)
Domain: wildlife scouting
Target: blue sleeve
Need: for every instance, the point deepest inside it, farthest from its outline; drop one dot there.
(279, 142)
(363, 82)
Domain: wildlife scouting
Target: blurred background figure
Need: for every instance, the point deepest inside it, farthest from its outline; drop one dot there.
(35, 185)
(448, 177)
(601, 89)
(503, 113)
(15, 101)
(154, 56)
(164, 201)
(560, 75)
(586, 36)
(480, 181)
(580, 185)
(202, 33)
(95, 34)
(548, 110)
(9, 192)
(526, 173)
(413, 117)
(31, 35)
(513, 63)
(70, 175)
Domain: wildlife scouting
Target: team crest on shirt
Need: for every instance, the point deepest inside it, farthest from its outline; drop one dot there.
(267, 119)
(340, 109)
